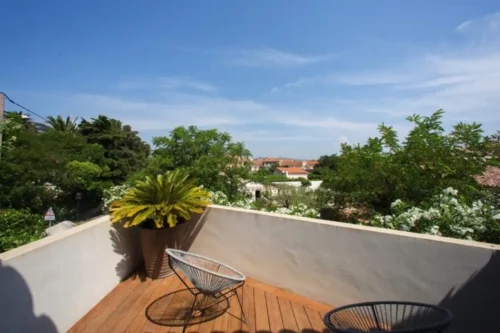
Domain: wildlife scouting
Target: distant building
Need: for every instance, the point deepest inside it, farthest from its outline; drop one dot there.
(256, 164)
(309, 165)
(291, 173)
(256, 190)
(268, 162)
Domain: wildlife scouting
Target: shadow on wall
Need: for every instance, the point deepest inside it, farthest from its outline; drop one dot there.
(475, 304)
(16, 305)
(126, 243)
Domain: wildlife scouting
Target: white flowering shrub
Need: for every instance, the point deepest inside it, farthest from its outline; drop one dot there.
(113, 193)
(448, 215)
(300, 209)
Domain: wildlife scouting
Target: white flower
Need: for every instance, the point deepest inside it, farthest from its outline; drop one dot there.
(397, 204)
(450, 191)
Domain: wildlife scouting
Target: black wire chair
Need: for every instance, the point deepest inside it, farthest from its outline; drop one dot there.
(401, 317)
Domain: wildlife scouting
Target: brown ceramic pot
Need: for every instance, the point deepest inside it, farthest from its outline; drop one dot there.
(154, 242)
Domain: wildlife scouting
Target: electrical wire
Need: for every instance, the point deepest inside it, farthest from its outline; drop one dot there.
(26, 109)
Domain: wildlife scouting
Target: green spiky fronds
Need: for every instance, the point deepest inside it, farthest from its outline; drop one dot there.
(164, 200)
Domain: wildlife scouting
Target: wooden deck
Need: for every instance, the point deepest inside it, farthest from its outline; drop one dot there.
(145, 305)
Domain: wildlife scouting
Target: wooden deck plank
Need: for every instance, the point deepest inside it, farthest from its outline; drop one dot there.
(287, 315)
(120, 312)
(235, 323)
(169, 285)
(140, 319)
(125, 321)
(273, 310)
(261, 316)
(315, 319)
(249, 309)
(300, 316)
(267, 308)
(102, 310)
(220, 324)
(289, 295)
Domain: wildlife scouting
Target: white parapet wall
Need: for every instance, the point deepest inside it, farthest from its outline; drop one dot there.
(48, 285)
(338, 263)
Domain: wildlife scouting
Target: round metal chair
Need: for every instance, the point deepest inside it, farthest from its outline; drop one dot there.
(390, 316)
(209, 277)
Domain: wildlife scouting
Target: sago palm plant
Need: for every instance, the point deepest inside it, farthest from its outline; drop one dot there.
(160, 202)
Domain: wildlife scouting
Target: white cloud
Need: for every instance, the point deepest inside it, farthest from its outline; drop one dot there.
(274, 58)
(463, 26)
(463, 80)
(171, 83)
(486, 24)
(182, 82)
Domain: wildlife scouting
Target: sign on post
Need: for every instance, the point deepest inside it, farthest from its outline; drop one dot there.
(50, 216)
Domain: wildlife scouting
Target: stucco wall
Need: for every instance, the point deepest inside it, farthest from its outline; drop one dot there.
(48, 285)
(339, 263)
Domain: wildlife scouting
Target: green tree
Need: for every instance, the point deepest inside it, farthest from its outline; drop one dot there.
(19, 227)
(373, 175)
(326, 164)
(124, 150)
(34, 171)
(209, 156)
(59, 124)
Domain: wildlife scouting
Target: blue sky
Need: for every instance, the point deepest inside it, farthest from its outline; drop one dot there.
(288, 78)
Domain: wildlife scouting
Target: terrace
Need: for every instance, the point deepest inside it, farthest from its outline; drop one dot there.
(84, 279)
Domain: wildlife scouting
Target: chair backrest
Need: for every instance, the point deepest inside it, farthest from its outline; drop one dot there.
(207, 275)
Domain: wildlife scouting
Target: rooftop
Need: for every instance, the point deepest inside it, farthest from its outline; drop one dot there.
(293, 171)
(297, 268)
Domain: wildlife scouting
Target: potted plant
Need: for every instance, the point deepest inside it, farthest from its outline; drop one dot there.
(160, 206)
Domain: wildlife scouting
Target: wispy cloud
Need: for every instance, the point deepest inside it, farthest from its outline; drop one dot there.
(464, 80)
(268, 57)
(171, 83)
(186, 82)
(463, 26)
(486, 24)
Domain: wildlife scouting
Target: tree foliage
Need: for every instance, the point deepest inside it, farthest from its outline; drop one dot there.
(373, 175)
(60, 124)
(209, 156)
(19, 227)
(124, 150)
(326, 164)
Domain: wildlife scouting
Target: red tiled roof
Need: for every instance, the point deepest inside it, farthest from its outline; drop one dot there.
(490, 177)
(258, 162)
(291, 163)
(293, 171)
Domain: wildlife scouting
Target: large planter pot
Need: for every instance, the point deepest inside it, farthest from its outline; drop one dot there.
(154, 242)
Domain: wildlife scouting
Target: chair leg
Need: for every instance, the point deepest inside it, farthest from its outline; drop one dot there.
(190, 314)
(243, 317)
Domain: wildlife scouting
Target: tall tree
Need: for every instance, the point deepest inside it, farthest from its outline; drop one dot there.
(326, 164)
(124, 150)
(209, 155)
(377, 173)
(41, 170)
(59, 124)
